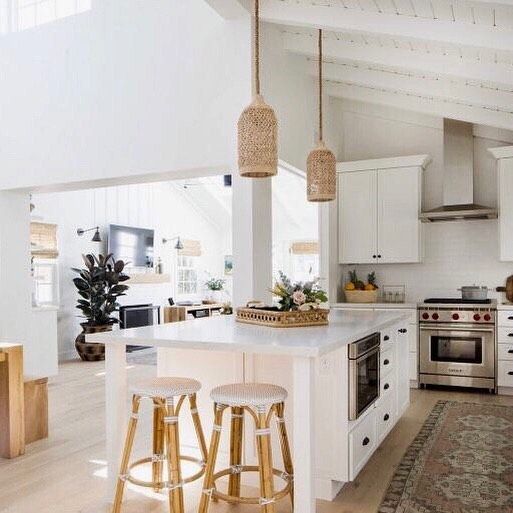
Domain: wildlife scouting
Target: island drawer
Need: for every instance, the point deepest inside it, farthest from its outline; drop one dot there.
(385, 416)
(505, 335)
(505, 318)
(387, 361)
(388, 385)
(362, 442)
(387, 338)
(505, 374)
(505, 351)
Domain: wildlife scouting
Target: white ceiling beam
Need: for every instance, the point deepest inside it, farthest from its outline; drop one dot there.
(398, 57)
(416, 85)
(228, 9)
(340, 19)
(437, 108)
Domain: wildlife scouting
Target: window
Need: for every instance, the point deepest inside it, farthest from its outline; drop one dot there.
(187, 275)
(46, 282)
(17, 15)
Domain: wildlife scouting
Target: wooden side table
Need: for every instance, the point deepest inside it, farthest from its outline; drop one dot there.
(12, 417)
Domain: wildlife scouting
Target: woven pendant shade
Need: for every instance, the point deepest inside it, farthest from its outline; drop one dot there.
(257, 128)
(321, 172)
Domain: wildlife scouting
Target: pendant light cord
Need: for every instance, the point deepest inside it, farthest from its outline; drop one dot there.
(257, 47)
(320, 84)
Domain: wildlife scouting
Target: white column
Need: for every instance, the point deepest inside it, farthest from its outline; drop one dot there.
(252, 239)
(15, 279)
(304, 436)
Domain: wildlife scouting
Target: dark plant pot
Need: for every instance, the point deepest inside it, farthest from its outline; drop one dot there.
(91, 351)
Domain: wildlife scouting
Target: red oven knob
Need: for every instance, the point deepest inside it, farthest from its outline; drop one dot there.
(435, 316)
(477, 317)
(455, 316)
(425, 315)
(486, 317)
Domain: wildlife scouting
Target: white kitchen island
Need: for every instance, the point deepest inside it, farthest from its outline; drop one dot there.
(219, 350)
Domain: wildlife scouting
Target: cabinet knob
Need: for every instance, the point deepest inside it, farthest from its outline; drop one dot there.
(386, 362)
(510, 373)
(510, 317)
(510, 351)
(386, 386)
(386, 337)
(510, 334)
(379, 256)
(386, 417)
(366, 441)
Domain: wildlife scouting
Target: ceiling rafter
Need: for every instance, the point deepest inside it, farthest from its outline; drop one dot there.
(337, 18)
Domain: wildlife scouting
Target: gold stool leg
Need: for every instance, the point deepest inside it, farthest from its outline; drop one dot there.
(129, 442)
(198, 427)
(265, 462)
(158, 443)
(172, 443)
(237, 426)
(285, 446)
(208, 482)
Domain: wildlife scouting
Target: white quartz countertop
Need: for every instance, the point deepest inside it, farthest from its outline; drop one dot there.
(223, 333)
(366, 306)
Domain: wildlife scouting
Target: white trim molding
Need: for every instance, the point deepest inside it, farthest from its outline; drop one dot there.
(391, 162)
(503, 152)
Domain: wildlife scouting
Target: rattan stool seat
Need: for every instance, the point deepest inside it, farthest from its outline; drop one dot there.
(165, 387)
(248, 394)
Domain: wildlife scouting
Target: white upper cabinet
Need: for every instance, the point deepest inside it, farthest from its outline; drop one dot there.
(379, 202)
(504, 156)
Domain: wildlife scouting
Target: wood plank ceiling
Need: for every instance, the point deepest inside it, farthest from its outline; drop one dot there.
(450, 58)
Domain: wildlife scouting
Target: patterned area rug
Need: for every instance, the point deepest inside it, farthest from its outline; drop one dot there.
(460, 462)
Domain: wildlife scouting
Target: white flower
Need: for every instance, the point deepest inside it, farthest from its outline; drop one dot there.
(298, 297)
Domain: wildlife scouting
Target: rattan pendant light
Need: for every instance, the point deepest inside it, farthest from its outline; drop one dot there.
(321, 174)
(257, 126)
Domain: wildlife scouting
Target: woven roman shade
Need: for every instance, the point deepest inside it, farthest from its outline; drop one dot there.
(305, 248)
(43, 240)
(190, 248)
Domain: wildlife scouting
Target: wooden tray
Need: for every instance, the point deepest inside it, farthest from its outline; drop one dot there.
(278, 319)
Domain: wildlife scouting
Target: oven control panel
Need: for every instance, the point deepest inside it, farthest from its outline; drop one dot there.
(457, 315)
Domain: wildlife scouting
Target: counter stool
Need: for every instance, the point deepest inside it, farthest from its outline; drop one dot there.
(166, 444)
(261, 401)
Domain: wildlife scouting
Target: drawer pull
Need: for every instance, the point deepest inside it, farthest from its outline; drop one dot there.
(386, 417)
(510, 373)
(403, 330)
(510, 318)
(386, 386)
(510, 351)
(386, 362)
(510, 334)
(386, 337)
(366, 441)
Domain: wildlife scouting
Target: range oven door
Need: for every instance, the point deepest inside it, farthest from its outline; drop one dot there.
(364, 382)
(461, 351)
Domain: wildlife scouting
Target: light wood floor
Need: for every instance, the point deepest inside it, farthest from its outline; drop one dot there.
(65, 474)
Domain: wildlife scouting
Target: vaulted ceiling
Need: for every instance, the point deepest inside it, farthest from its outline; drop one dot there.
(450, 58)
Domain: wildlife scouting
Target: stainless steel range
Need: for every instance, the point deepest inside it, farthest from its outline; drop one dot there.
(457, 342)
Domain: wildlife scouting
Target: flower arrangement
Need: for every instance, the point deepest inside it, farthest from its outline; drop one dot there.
(298, 295)
(215, 284)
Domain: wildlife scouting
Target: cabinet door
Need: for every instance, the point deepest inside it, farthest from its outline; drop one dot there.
(398, 215)
(357, 222)
(505, 188)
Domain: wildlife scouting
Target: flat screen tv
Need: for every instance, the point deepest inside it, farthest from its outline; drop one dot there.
(132, 245)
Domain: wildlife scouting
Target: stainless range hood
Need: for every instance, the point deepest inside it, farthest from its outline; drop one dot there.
(458, 183)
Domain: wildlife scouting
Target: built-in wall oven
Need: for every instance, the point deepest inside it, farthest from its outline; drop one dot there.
(363, 374)
(457, 345)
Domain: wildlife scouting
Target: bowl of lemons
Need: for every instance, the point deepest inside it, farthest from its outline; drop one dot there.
(357, 291)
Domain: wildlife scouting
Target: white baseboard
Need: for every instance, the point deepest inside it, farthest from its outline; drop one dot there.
(505, 390)
(327, 489)
(68, 355)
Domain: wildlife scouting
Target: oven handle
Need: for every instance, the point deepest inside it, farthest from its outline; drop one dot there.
(371, 352)
(441, 328)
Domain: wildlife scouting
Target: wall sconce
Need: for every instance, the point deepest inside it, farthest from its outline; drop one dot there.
(178, 245)
(96, 236)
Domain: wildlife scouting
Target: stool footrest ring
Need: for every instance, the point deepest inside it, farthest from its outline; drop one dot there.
(251, 500)
(163, 484)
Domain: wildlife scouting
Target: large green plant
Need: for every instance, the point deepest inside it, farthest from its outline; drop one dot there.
(99, 286)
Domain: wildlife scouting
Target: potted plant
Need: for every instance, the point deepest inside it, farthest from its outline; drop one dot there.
(99, 285)
(215, 287)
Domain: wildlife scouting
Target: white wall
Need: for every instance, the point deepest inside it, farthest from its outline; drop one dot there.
(456, 253)
(128, 88)
(164, 206)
